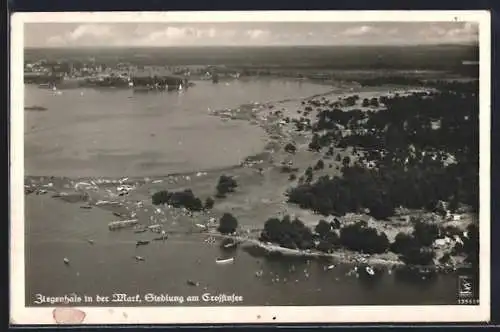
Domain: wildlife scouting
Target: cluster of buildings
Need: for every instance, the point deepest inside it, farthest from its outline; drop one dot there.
(62, 74)
(88, 72)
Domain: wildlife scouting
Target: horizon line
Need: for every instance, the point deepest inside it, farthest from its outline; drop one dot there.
(476, 44)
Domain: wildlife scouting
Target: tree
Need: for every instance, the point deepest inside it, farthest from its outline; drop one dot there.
(322, 228)
(403, 243)
(346, 161)
(365, 239)
(226, 185)
(178, 199)
(425, 233)
(272, 230)
(324, 246)
(195, 205)
(227, 224)
(309, 174)
(381, 210)
(160, 197)
(329, 242)
(374, 102)
(209, 203)
(319, 165)
(315, 143)
(366, 102)
(290, 148)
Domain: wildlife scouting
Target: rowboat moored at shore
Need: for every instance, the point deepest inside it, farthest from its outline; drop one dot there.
(224, 261)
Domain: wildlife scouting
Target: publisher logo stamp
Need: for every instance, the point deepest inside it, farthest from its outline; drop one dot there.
(465, 287)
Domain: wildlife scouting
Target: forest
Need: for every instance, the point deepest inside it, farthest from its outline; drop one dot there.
(425, 148)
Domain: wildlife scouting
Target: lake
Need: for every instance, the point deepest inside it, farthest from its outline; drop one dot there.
(113, 132)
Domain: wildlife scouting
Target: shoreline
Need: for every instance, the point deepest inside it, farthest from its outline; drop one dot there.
(343, 256)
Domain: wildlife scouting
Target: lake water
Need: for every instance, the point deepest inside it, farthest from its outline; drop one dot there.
(88, 132)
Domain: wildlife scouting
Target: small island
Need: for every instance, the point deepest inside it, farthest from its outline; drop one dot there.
(35, 108)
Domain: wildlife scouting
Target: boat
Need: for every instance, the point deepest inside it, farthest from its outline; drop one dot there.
(141, 230)
(154, 227)
(230, 245)
(122, 224)
(192, 283)
(141, 243)
(330, 267)
(369, 270)
(90, 241)
(139, 258)
(66, 261)
(224, 261)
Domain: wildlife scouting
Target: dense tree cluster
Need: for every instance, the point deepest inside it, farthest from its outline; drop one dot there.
(226, 185)
(295, 235)
(412, 143)
(292, 234)
(209, 203)
(179, 199)
(319, 165)
(360, 237)
(338, 195)
(414, 249)
(328, 239)
(227, 224)
(425, 233)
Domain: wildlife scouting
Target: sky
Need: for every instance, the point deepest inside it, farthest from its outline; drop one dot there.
(247, 34)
